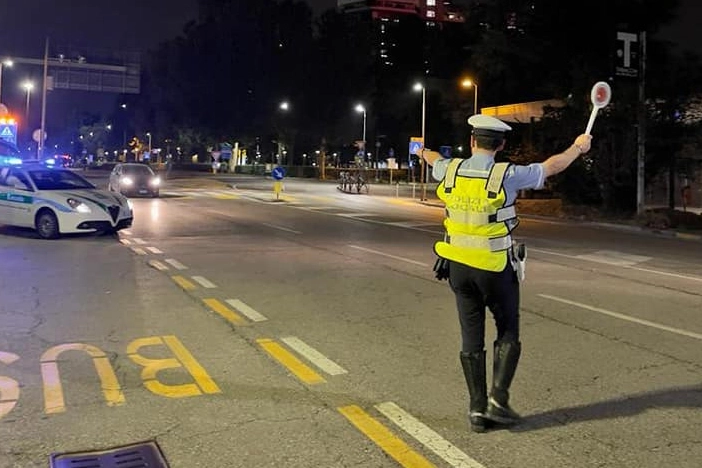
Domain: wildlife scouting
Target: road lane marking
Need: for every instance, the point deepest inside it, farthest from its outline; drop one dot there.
(183, 282)
(138, 250)
(224, 311)
(282, 228)
(384, 438)
(425, 435)
(301, 370)
(126, 241)
(410, 224)
(176, 264)
(154, 250)
(356, 215)
(314, 356)
(643, 270)
(9, 388)
(244, 309)
(414, 262)
(183, 359)
(628, 318)
(204, 282)
(54, 401)
(139, 241)
(126, 232)
(158, 265)
(611, 257)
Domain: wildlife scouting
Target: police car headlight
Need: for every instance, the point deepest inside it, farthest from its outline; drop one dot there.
(78, 205)
(156, 181)
(126, 181)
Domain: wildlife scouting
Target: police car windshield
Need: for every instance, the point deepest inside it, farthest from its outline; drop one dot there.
(48, 179)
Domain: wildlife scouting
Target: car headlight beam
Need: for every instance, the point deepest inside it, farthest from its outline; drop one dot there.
(126, 180)
(78, 205)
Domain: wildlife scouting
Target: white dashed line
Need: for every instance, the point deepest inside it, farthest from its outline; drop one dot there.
(154, 250)
(314, 356)
(158, 265)
(139, 241)
(414, 262)
(139, 251)
(176, 264)
(244, 309)
(628, 318)
(281, 228)
(126, 232)
(429, 438)
(204, 282)
(126, 241)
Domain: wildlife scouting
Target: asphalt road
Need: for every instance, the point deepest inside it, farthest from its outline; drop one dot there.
(243, 329)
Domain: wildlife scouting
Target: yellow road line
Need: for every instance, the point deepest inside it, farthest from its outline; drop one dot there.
(287, 359)
(225, 311)
(183, 283)
(198, 372)
(226, 197)
(384, 438)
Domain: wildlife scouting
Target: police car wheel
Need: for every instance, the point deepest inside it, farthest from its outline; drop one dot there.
(47, 225)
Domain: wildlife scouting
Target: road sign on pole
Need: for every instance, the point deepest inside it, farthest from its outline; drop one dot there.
(416, 145)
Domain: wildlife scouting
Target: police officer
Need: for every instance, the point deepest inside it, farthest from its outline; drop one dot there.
(479, 195)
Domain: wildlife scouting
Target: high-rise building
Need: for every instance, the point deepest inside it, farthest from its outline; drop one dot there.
(435, 11)
(405, 30)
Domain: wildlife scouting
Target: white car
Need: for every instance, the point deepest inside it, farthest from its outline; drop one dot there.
(58, 201)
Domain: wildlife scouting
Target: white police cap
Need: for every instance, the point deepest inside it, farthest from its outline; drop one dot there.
(486, 122)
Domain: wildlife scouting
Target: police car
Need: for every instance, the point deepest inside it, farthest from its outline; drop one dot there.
(57, 201)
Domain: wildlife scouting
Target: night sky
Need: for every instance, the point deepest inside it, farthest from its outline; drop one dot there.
(143, 24)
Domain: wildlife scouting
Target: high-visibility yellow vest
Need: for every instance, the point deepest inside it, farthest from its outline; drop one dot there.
(477, 227)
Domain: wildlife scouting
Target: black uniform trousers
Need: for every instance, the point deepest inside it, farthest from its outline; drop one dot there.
(476, 289)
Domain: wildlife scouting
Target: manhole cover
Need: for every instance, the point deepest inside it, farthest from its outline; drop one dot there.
(141, 455)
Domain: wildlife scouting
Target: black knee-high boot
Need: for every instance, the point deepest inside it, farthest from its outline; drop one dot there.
(474, 372)
(505, 363)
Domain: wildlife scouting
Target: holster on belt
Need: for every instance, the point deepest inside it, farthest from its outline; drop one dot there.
(518, 256)
(441, 269)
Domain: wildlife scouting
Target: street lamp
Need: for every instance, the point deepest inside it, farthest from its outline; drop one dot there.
(149, 135)
(361, 108)
(423, 174)
(467, 83)
(4, 63)
(282, 154)
(27, 86)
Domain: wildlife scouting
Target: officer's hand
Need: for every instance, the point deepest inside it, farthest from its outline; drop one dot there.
(583, 143)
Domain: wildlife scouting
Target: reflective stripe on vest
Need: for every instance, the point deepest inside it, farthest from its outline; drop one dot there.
(478, 242)
(477, 228)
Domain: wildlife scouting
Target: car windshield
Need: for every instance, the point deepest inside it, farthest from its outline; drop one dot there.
(137, 170)
(48, 179)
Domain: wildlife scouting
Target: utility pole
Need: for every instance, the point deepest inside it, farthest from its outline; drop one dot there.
(42, 130)
(641, 141)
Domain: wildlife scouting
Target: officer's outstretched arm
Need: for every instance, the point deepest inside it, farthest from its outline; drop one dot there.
(430, 156)
(559, 162)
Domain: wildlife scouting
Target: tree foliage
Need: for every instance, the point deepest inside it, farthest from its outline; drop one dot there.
(225, 76)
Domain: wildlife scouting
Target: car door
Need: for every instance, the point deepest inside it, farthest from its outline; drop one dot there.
(20, 197)
(5, 209)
